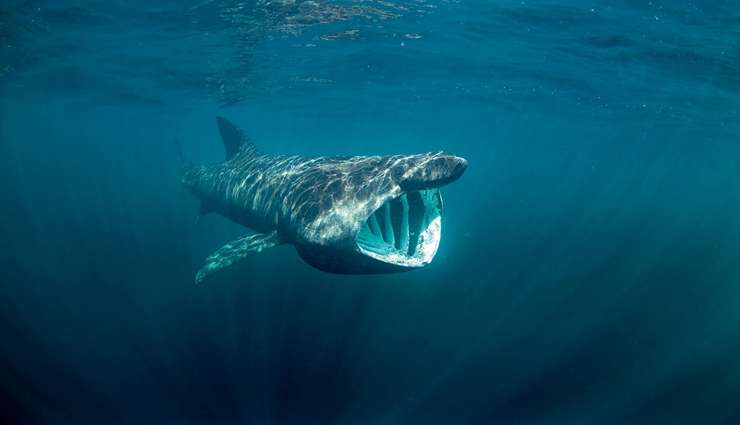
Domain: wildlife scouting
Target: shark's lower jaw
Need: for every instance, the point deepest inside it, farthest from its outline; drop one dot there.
(405, 231)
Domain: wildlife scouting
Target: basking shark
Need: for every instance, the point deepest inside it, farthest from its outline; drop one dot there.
(349, 215)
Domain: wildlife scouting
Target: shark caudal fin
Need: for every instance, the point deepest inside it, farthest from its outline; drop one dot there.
(235, 140)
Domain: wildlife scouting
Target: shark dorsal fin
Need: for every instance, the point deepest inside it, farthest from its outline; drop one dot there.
(235, 140)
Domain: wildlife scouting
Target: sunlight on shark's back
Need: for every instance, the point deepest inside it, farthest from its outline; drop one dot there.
(328, 208)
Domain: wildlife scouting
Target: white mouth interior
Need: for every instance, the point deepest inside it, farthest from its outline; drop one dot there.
(405, 231)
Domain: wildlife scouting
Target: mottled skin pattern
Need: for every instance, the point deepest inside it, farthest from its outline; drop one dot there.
(316, 204)
(315, 201)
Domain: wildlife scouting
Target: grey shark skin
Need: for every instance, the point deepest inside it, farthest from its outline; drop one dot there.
(350, 215)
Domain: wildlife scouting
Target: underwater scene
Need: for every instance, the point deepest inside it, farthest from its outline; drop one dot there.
(370, 212)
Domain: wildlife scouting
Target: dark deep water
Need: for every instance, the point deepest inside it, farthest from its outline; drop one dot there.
(588, 272)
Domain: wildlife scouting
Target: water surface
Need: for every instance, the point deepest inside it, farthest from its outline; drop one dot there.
(588, 268)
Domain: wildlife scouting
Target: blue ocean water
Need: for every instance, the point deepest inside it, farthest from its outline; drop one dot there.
(588, 269)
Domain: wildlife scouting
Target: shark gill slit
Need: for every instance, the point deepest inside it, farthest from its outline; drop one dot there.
(417, 211)
(404, 231)
(388, 230)
(397, 226)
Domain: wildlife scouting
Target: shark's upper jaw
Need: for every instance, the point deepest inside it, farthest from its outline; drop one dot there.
(405, 231)
(432, 171)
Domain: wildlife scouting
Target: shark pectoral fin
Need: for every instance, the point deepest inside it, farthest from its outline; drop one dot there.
(236, 251)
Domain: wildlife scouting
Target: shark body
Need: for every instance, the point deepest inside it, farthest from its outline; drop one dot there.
(350, 215)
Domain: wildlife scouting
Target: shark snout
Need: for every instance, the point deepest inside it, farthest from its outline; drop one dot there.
(459, 164)
(434, 171)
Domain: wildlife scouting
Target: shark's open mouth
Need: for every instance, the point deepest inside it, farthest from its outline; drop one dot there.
(405, 231)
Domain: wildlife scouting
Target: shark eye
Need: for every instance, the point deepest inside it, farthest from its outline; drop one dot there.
(404, 231)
